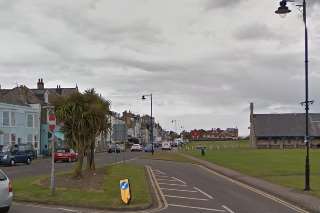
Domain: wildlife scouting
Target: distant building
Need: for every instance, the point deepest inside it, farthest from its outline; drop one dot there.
(215, 134)
(285, 130)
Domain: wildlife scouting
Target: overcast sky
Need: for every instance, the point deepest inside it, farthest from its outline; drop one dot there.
(203, 60)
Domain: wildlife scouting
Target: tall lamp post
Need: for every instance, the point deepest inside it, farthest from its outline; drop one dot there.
(144, 97)
(282, 11)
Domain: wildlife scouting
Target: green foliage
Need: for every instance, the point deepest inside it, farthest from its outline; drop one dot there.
(84, 117)
(28, 189)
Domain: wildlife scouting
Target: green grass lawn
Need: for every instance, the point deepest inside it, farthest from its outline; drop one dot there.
(284, 167)
(27, 189)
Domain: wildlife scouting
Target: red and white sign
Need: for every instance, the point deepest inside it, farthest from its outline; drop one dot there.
(52, 121)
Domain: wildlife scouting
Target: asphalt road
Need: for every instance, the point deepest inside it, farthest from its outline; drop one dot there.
(189, 189)
(186, 188)
(43, 166)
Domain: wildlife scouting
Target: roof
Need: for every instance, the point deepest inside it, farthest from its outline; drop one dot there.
(282, 125)
(22, 95)
(19, 96)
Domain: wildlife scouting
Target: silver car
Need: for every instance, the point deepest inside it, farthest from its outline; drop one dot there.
(5, 192)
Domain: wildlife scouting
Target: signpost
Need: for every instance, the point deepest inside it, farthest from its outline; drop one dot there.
(125, 191)
(52, 126)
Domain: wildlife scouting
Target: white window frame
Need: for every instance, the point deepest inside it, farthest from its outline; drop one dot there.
(15, 118)
(27, 120)
(9, 125)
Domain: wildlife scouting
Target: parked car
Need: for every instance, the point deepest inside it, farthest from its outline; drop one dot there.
(136, 147)
(28, 148)
(6, 193)
(148, 148)
(10, 155)
(66, 155)
(114, 148)
(166, 145)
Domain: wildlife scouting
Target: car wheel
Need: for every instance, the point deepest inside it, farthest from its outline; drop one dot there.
(5, 209)
(28, 162)
(12, 162)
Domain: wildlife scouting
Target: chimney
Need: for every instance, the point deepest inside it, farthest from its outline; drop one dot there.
(59, 90)
(40, 84)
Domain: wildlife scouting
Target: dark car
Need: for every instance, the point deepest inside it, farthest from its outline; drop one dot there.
(148, 148)
(114, 148)
(12, 155)
(28, 148)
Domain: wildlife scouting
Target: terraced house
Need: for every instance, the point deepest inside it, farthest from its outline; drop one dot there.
(22, 100)
(20, 120)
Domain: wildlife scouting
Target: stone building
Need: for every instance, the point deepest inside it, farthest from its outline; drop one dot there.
(285, 130)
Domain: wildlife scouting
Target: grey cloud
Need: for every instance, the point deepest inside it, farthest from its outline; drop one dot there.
(216, 4)
(256, 31)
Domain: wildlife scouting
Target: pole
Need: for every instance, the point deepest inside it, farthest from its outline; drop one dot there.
(52, 186)
(307, 165)
(152, 150)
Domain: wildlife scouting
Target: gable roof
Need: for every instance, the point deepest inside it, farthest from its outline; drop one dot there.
(20, 95)
(282, 125)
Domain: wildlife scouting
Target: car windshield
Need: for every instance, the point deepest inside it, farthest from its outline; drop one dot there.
(3, 177)
(6, 148)
(61, 151)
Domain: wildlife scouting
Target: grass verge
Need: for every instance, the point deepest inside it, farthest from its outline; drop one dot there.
(283, 167)
(29, 189)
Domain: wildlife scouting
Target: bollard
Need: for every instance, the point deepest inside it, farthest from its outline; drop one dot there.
(203, 152)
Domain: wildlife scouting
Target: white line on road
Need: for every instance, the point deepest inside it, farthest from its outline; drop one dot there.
(202, 192)
(161, 176)
(257, 191)
(171, 184)
(177, 179)
(179, 190)
(167, 180)
(187, 198)
(228, 210)
(194, 207)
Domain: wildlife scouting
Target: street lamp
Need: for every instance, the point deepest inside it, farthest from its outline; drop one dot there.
(283, 10)
(144, 97)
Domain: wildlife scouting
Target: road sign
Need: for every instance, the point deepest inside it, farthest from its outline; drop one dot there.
(51, 121)
(125, 191)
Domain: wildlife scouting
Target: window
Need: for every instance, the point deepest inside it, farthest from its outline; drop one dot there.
(29, 138)
(5, 119)
(13, 138)
(29, 120)
(6, 138)
(13, 119)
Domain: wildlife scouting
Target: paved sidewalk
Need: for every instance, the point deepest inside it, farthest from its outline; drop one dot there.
(301, 199)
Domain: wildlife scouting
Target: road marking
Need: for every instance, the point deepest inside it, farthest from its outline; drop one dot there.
(202, 192)
(200, 208)
(45, 207)
(158, 171)
(161, 176)
(179, 190)
(171, 184)
(257, 191)
(177, 179)
(187, 198)
(228, 210)
(167, 180)
(165, 203)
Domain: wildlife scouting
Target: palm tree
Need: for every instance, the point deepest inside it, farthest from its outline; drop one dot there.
(84, 117)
